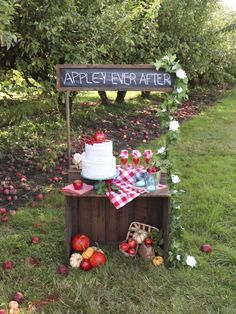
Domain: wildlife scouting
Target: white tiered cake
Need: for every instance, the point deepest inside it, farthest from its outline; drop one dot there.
(98, 161)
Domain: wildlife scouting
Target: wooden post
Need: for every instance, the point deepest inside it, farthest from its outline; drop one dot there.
(68, 126)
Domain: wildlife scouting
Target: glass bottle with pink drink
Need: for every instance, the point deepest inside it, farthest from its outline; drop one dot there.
(147, 158)
(136, 155)
(124, 156)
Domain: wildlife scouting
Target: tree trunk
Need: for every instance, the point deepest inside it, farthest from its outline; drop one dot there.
(120, 97)
(145, 94)
(104, 98)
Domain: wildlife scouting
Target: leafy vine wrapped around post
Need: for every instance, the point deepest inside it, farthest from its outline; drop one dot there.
(171, 128)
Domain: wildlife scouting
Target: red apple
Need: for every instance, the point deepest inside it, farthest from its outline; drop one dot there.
(2, 311)
(6, 192)
(39, 197)
(206, 248)
(63, 270)
(13, 305)
(124, 246)
(3, 210)
(131, 251)
(148, 242)
(132, 243)
(77, 184)
(99, 137)
(18, 297)
(7, 265)
(35, 240)
(85, 265)
(4, 218)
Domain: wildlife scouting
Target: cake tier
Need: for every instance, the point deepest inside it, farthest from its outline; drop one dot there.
(99, 169)
(99, 152)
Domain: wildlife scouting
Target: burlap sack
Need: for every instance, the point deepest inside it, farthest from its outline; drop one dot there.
(146, 252)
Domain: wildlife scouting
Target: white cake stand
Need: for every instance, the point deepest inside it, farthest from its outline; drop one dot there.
(103, 179)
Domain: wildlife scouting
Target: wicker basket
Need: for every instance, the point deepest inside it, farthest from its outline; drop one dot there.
(135, 226)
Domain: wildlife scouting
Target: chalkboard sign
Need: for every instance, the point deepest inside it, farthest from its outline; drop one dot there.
(101, 77)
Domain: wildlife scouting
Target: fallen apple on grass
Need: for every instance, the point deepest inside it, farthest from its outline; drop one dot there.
(7, 265)
(77, 184)
(18, 297)
(63, 269)
(2, 311)
(3, 210)
(39, 197)
(4, 218)
(35, 240)
(206, 248)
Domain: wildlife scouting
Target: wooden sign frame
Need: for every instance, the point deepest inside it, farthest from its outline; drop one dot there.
(109, 77)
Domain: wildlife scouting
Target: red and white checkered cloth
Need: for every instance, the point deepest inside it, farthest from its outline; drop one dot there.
(127, 189)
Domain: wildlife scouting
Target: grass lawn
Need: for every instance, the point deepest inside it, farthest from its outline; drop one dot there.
(206, 162)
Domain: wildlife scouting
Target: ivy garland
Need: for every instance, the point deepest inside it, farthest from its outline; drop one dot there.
(171, 128)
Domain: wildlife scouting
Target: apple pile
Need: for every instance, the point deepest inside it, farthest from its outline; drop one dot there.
(129, 248)
(88, 256)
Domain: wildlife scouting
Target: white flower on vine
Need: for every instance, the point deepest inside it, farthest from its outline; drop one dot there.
(178, 257)
(174, 125)
(161, 150)
(163, 110)
(190, 261)
(175, 179)
(165, 58)
(179, 90)
(181, 74)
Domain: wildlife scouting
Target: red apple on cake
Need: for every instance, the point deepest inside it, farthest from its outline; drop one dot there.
(100, 137)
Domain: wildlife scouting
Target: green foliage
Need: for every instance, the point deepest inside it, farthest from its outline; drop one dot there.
(7, 37)
(171, 129)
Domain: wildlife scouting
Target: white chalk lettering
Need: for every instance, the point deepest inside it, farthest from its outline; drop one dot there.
(114, 77)
(68, 78)
(104, 74)
(74, 75)
(87, 79)
(126, 76)
(133, 78)
(82, 75)
(143, 78)
(95, 77)
(167, 79)
(159, 77)
(150, 78)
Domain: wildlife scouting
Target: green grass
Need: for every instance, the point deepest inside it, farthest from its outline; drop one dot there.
(205, 159)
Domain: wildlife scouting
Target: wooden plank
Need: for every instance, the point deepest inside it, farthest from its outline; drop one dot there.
(124, 222)
(98, 226)
(112, 223)
(166, 228)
